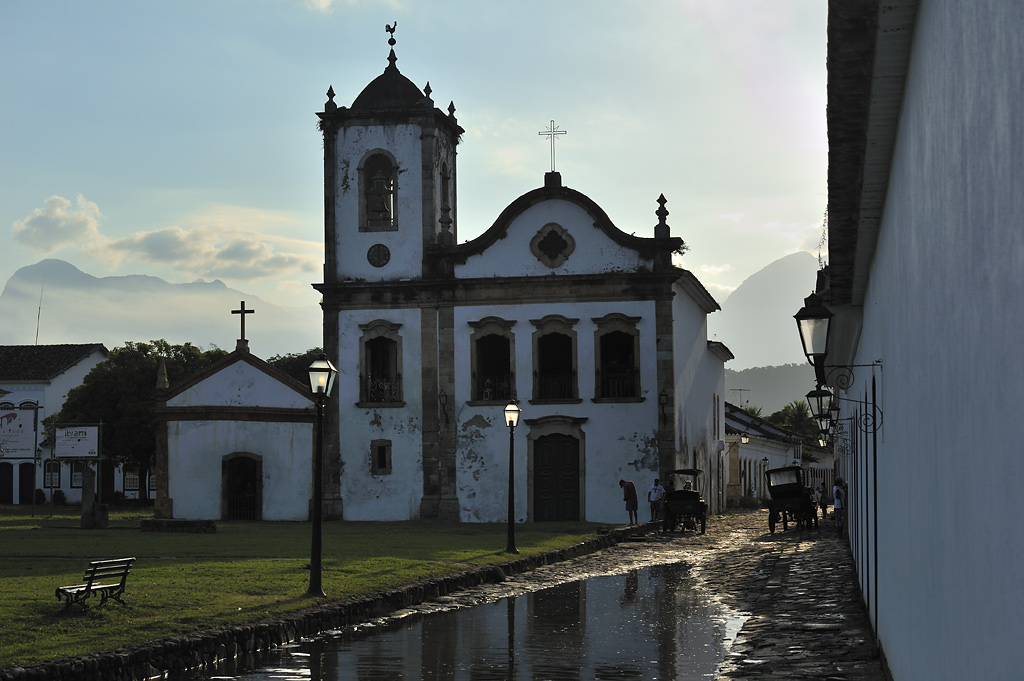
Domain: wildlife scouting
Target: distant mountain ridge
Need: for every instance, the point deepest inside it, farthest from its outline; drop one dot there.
(78, 307)
(769, 388)
(756, 321)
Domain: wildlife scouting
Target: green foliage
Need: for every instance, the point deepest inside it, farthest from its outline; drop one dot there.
(796, 417)
(752, 410)
(118, 393)
(296, 364)
(242, 574)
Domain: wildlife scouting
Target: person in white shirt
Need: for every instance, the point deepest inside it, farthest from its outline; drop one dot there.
(655, 496)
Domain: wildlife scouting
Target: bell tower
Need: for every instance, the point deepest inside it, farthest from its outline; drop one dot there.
(389, 180)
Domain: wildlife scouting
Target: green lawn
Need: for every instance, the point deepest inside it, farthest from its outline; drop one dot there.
(243, 573)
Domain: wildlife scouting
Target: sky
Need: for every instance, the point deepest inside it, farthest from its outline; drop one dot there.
(179, 139)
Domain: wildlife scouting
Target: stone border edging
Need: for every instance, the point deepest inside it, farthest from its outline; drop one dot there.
(210, 647)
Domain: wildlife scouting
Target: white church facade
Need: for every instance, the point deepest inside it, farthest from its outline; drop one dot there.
(597, 335)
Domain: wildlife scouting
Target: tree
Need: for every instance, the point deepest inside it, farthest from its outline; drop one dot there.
(119, 394)
(297, 364)
(796, 416)
(752, 410)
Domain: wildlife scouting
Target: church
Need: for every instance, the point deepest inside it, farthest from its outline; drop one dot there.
(594, 332)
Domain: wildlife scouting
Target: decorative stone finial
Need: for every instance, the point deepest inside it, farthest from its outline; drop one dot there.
(330, 105)
(161, 375)
(661, 230)
(451, 109)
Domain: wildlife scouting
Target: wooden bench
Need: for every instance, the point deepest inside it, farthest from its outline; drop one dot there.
(97, 572)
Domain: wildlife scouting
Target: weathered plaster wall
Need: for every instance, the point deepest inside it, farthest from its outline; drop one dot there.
(196, 450)
(406, 243)
(594, 252)
(620, 437)
(395, 496)
(944, 312)
(240, 385)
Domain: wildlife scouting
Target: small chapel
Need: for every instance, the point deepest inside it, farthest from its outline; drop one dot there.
(594, 332)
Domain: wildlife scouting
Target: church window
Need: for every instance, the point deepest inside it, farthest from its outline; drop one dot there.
(380, 457)
(552, 244)
(617, 351)
(378, 183)
(493, 360)
(380, 379)
(554, 359)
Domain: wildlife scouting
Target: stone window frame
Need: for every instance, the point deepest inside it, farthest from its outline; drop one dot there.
(617, 321)
(545, 232)
(364, 186)
(375, 449)
(555, 323)
(491, 326)
(380, 328)
(81, 466)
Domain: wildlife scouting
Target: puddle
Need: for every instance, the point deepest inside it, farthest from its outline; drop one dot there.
(647, 623)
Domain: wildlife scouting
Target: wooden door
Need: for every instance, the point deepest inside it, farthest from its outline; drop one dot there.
(556, 478)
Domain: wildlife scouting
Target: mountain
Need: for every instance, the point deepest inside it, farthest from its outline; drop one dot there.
(80, 308)
(770, 388)
(756, 321)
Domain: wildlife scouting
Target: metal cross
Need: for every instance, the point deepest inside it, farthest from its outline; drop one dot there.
(550, 133)
(242, 311)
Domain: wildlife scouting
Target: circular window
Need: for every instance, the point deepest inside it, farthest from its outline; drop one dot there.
(378, 255)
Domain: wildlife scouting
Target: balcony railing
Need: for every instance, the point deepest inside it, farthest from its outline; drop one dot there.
(493, 387)
(554, 386)
(618, 383)
(372, 389)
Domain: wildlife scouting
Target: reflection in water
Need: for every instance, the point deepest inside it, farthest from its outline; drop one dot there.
(647, 623)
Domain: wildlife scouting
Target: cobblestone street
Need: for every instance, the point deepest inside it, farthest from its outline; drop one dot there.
(805, 616)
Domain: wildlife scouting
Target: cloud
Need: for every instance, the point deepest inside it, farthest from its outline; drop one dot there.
(57, 224)
(713, 270)
(229, 242)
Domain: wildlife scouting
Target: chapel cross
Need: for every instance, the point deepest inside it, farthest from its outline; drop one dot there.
(551, 133)
(242, 311)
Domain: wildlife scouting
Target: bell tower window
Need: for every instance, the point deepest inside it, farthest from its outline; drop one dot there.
(378, 181)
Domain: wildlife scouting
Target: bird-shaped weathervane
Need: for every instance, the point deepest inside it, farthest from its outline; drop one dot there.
(391, 29)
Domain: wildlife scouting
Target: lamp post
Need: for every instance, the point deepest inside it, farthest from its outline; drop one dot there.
(512, 412)
(321, 380)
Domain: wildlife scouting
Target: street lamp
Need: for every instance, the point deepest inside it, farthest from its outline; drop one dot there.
(814, 321)
(512, 412)
(321, 380)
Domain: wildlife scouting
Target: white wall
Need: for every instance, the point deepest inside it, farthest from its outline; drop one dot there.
(944, 310)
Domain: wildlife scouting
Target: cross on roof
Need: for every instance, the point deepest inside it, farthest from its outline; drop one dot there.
(242, 311)
(551, 132)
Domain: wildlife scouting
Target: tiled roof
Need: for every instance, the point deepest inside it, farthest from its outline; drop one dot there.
(42, 362)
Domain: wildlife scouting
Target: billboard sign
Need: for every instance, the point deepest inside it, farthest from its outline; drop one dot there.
(18, 433)
(77, 442)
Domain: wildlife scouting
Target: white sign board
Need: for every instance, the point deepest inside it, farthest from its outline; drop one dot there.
(17, 433)
(77, 442)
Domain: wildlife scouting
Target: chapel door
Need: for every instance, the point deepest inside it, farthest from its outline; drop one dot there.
(6, 482)
(556, 478)
(26, 482)
(242, 489)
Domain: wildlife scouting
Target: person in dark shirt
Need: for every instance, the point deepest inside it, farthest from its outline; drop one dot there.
(629, 496)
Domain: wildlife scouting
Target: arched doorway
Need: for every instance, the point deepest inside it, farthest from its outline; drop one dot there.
(26, 482)
(556, 478)
(6, 482)
(242, 487)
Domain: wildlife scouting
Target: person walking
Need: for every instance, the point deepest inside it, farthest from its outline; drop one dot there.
(822, 500)
(839, 504)
(655, 497)
(629, 496)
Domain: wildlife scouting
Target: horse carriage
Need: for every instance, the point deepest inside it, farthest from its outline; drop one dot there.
(790, 498)
(685, 507)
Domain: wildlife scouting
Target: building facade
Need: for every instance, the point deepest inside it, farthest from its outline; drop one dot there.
(596, 334)
(926, 256)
